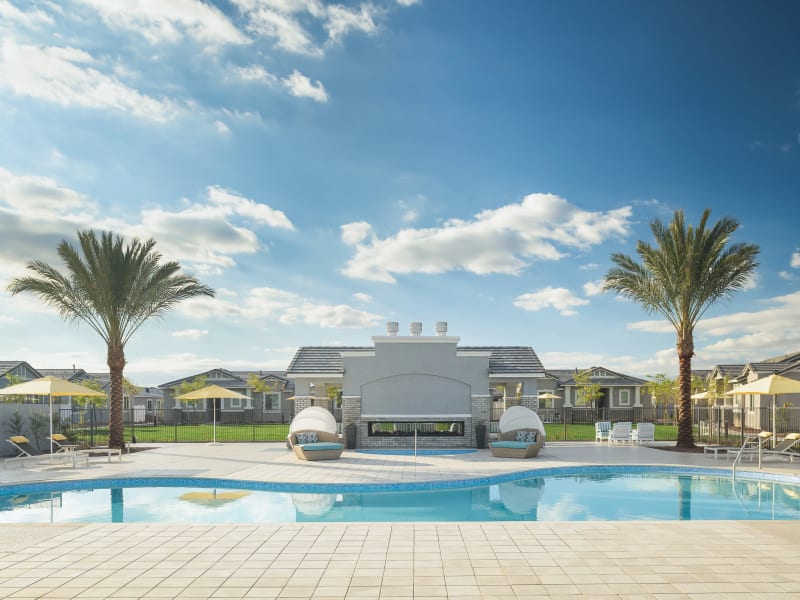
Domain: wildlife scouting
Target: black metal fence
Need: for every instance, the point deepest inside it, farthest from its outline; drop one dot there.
(89, 426)
(715, 424)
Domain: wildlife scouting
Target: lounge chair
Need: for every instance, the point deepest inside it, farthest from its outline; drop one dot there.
(315, 445)
(23, 446)
(620, 432)
(644, 433)
(753, 444)
(601, 429)
(785, 447)
(61, 443)
(518, 443)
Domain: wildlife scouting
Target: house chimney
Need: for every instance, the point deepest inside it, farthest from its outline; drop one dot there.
(392, 327)
(416, 328)
(441, 328)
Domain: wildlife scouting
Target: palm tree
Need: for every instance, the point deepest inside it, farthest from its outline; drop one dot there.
(689, 270)
(113, 288)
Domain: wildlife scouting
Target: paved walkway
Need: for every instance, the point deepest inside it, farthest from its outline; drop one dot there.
(699, 559)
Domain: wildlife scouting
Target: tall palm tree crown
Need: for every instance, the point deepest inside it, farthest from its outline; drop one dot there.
(687, 271)
(114, 288)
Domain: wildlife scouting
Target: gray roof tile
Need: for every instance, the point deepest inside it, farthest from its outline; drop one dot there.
(502, 359)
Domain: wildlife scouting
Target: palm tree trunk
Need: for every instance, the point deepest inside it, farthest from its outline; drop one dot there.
(685, 353)
(116, 363)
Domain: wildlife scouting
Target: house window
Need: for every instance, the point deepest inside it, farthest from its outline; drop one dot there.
(272, 402)
(236, 403)
(624, 397)
(149, 405)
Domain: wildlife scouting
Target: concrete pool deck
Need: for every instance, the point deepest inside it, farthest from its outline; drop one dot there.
(662, 559)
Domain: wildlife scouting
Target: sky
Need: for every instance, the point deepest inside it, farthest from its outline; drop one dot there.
(327, 167)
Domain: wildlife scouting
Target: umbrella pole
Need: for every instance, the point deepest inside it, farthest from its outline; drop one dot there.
(51, 423)
(774, 420)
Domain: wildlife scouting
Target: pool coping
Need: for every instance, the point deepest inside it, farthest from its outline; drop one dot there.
(294, 487)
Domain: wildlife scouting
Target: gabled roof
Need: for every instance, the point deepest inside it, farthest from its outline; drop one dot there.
(567, 377)
(727, 370)
(228, 379)
(149, 392)
(322, 359)
(7, 366)
(68, 374)
(784, 358)
(328, 359)
(509, 359)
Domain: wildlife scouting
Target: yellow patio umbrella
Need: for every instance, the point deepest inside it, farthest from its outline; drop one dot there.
(212, 499)
(49, 386)
(211, 392)
(772, 385)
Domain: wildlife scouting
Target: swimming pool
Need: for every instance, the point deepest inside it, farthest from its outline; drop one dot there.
(564, 494)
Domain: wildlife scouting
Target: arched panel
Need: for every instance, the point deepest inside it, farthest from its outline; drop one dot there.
(416, 394)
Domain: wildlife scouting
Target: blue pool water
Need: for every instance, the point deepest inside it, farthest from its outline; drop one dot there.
(617, 494)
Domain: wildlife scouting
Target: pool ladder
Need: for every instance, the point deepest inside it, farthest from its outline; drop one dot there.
(747, 444)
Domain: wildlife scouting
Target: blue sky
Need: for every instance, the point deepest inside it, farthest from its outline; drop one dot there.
(328, 167)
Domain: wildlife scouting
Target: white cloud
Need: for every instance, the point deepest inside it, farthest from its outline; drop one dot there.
(276, 21)
(59, 75)
(281, 306)
(361, 297)
(342, 20)
(36, 193)
(291, 22)
(588, 266)
(355, 233)
(593, 288)
(409, 2)
(795, 262)
(169, 21)
(192, 334)
(787, 275)
(501, 240)
(34, 18)
(751, 335)
(299, 85)
(662, 361)
(561, 299)
(222, 128)
(233, 203)
(36, 214)
(252, 73)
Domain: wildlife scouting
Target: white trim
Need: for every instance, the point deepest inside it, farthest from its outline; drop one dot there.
(351, 397)
(473, 353)
(352, 353)
(415, 339)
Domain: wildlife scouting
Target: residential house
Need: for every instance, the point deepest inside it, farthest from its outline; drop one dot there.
(616, 390)
(273, 406)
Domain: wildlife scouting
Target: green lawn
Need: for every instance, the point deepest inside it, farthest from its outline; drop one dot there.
(191, 433)
(277, 432)
(575, 432)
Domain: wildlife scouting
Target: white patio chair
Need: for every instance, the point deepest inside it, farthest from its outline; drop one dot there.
(601, 429)
(620, 432)
(644, 433)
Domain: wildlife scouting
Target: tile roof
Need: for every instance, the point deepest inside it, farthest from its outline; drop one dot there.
(567, 377)
(322, 359)
(509, 359)
(502, 359)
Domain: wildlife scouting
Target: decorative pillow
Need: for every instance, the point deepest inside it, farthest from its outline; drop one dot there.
(526, 436)
(307, 437)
